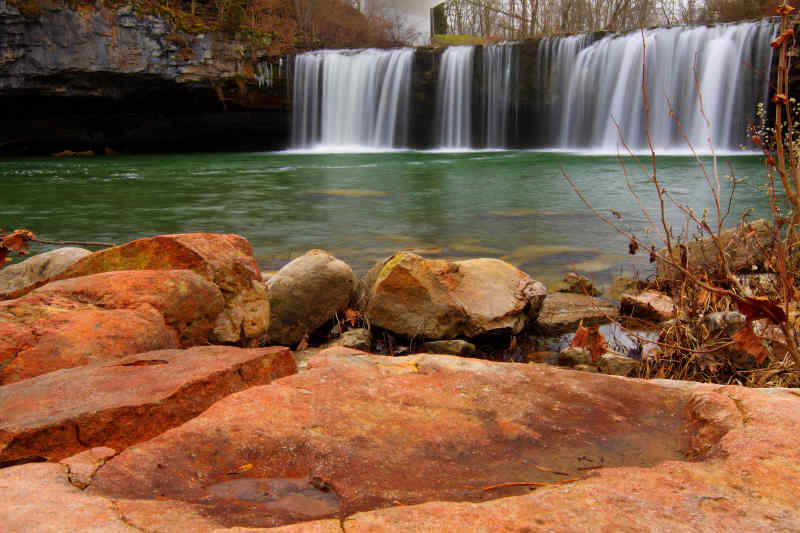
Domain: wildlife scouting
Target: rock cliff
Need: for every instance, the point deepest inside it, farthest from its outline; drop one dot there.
(128, 80)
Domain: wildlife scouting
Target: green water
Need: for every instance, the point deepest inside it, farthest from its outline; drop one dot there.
(512, 205)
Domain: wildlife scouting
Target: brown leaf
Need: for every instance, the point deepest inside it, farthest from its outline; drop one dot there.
(351, 316)
(749, 342)
(18, 241)
(782, 38)
(784, 9)
(633, 246)
(589, 338)
(3, 254)
(758, 307)
(780, 99)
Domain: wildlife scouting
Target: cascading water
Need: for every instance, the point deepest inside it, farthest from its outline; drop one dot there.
(352, 98)
(555, 61)
(732, 63)
(580, 85)
(500, 82)
(454, 97)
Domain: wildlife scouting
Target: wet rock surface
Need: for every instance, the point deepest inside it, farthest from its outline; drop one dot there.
(129, 400)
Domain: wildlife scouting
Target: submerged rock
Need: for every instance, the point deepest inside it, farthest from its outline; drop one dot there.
(436, 299)
(306, 293)
(21, 278)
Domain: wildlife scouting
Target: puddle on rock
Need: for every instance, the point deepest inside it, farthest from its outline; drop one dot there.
(296, 496)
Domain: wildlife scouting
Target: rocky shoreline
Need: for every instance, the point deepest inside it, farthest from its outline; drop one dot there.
(154, 386)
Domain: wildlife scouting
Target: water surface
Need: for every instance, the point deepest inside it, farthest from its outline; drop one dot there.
(514, 205)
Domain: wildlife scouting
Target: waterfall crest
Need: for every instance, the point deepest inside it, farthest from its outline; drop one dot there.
(346, 98)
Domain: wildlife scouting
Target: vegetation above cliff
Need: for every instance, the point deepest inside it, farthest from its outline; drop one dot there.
(281, 26)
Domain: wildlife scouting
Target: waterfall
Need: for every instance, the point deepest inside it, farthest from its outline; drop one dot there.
(454, 97)
(555, 62)
(556, 92)
(346, 98)
(605, 85)
(500, 82)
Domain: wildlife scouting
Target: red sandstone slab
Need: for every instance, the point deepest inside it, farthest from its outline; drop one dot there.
(128, 400)
(743, 476)
(358, 432)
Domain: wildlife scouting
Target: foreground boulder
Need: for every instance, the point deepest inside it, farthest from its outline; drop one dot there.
(436, 444)
(103, 317)
(225, 260)
(305, 294)
(436, 299)
(132, 399)
(21, 278)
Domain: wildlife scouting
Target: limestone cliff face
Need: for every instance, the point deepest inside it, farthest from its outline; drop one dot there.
(86, 79)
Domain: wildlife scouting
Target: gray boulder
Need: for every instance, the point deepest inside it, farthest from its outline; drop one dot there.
(305, 294)
(20, 278)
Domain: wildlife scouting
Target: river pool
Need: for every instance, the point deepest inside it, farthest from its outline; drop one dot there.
(514, 205)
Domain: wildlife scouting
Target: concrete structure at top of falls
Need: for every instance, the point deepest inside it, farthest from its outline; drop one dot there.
(558, 92)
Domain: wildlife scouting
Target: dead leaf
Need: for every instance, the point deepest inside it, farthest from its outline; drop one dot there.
(590, 339)
(749, 342)
(782, 38)
(351, 316)
(784, 9)
(758, 307)
(18, 241)
(245, 467)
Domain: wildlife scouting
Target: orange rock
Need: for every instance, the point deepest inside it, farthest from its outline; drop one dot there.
(437, 299)
(378, 429)
(225, 260)
(103, 317)
(74, 338)
(189, 303)
(126, 401)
